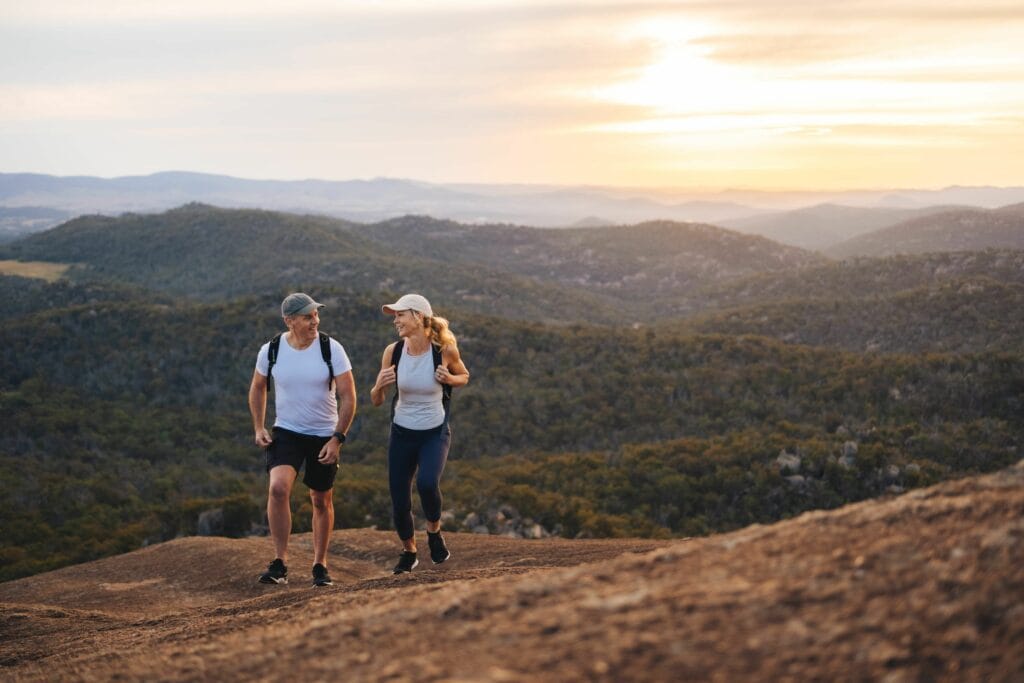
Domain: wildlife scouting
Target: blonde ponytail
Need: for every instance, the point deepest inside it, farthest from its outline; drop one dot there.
(438, 332)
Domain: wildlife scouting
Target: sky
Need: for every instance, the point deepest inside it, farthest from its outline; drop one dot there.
(709, 94)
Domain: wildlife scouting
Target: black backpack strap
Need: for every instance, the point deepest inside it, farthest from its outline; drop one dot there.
(396, 355)
(325, 352)
(275, 344)
(446, 389)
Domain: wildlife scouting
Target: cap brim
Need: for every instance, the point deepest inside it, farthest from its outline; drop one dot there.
(308, 308)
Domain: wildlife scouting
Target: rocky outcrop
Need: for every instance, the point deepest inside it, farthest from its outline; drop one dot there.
(503, 520)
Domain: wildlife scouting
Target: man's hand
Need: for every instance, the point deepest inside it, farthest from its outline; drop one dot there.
(330, 453)
(263, 437)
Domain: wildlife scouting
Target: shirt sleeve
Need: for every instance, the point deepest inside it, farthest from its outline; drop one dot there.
(263, 359)
(339, 359)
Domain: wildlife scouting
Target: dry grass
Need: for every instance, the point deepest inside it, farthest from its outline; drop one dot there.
(51, 272)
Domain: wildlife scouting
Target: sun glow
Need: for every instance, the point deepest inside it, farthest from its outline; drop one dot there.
(682, 79)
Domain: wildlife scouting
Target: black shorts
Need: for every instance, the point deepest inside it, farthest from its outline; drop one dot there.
(294, 449)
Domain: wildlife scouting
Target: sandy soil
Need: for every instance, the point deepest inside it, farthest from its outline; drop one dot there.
(928, 586)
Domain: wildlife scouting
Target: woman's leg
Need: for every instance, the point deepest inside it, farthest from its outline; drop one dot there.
(433, 454)
(402, 454)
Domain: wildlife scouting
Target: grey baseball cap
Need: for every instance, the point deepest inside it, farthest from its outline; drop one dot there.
(298, 303)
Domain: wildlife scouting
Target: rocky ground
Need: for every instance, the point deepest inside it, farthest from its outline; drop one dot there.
(927, 586)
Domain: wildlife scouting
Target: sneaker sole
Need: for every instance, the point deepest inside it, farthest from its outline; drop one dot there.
(324, 583)
(415, 564)
(271, 580)
(443, 559)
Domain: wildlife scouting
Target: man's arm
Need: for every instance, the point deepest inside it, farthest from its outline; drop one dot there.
(258, 408)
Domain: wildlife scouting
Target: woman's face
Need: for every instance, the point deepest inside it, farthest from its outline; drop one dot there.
(407, 322)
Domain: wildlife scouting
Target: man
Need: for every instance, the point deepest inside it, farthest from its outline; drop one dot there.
(315, 401)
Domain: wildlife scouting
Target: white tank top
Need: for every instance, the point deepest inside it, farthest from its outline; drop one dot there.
(419, 394)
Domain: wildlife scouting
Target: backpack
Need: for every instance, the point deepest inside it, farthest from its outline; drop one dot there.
(446, 389)
(325, 352)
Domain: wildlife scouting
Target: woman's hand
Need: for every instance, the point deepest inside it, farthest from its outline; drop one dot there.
(442, 375)
(385, 378)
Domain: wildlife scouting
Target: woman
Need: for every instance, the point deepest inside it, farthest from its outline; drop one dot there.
(424, 364)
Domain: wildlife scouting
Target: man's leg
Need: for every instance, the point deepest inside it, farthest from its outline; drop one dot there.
(279, 511)
(323, 523)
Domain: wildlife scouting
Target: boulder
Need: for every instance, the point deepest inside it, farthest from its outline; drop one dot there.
(787, 462)
(211, 522)
(534, 531)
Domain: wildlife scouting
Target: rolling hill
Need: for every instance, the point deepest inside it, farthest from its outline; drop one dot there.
(825, 225)
(646, 263)
(956, 230)
(213, 254)
(925, 586)
(855, 278)
(556, 275)
(957, 315)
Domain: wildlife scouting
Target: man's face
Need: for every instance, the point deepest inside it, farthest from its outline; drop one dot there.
(304, 328)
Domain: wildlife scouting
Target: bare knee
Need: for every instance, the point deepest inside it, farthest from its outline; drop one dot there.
(280, 491)
(321, 500)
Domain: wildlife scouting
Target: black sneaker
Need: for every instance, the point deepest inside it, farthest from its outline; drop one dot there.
(320, 576)
(276, 573)
(406, 562)
(438, 550)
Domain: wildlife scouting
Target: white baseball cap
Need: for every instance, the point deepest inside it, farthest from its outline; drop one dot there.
(409, 302)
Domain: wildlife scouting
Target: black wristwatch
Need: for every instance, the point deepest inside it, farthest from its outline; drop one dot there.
(340, 436)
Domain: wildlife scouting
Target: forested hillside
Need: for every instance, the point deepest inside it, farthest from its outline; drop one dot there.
(955, 230)
(855, 278)
(585, 275)
(959, 315)
(797, 387)
(648, 263)
(135, 416)
(825, 225)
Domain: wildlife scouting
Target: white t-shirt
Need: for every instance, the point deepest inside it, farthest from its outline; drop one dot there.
(303, 401)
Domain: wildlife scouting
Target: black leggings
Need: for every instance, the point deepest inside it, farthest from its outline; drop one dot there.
(409, 449)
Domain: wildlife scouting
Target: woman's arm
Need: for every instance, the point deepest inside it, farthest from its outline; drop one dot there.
(452, 370)
(385, 378)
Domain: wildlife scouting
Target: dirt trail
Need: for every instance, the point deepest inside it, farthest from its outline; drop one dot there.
(928, 586)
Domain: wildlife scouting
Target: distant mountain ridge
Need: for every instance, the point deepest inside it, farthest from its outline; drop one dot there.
(362, 200)
(383, 198)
